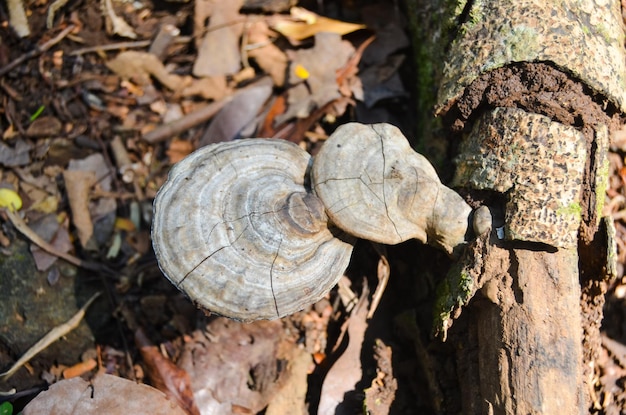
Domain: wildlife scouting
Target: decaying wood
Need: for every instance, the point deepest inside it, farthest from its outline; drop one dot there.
(539, 163)
(528, 333)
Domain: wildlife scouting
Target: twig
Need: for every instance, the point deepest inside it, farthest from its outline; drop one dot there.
(52, 336)
(165, 131)
(383, 273)
(124, 45)
(23, 228)
(38, 50)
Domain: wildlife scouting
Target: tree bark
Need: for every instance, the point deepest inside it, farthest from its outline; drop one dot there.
(533, 113)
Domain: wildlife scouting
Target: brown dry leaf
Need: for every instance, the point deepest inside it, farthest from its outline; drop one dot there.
(165, 375)
(267, 55)
(178, 149)
(218, 53)
(78, 184)
(291, 398)
(46, 126)
(321, 63)
(310, 24)
(235, 365)
(213, 87)
(105, 394)
(346, 372)
(201, 14)
(139, 66)
(80, 176)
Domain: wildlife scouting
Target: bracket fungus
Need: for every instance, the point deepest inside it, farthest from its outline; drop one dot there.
(376, 187)
(236, 230)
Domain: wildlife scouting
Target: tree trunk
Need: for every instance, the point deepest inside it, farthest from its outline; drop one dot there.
(531, 90)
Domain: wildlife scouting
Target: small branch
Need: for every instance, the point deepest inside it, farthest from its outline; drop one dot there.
(37, 51)
(165, 131)
(125, 45)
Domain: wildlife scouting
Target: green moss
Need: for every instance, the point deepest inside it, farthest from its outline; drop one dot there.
(605, 33)
(602, 182)
(431, 23)
(573, 209)
(520, 43)
(453, 292)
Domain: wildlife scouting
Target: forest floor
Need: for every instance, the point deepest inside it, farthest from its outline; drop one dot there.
(89, 101)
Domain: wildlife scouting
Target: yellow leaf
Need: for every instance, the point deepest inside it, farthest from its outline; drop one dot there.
(312, 24)
(301, 72)
(124, 224)
(10, 199)
(48, 204)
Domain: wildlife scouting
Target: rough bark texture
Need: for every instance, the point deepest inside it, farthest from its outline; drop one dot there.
(493, 34)
(523, 352)
(538, 162)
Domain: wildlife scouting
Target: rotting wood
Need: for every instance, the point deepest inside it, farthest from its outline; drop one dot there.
(521, 351)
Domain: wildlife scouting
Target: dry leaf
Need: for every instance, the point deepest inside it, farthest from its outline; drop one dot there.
(291, 398)
(58, 237)
(178, 150)
(105, 394)
(346, 372)
(118, 25)
(165, 375)
(17, 18)
(238, 113)
(234, 364)
(213, 87)
(16, 155)
(310, 24)
(218, 53)
(78, 184)
(267, 55)
(139, 66)
(321, 62)
(46, 126)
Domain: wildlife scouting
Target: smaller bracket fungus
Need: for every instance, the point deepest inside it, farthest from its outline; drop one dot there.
(376, 187)
(237, 231)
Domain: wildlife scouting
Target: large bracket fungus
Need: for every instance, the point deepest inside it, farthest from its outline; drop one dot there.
(236, 229)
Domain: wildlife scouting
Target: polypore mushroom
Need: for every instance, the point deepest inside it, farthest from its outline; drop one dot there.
(236, 230)
(376, 187)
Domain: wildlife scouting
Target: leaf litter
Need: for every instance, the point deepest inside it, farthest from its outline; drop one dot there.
(95, 111)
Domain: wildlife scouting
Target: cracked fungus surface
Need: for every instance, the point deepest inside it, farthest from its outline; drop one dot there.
(236, 231)
(376, 187)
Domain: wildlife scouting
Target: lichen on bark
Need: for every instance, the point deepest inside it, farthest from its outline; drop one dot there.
(536, 31)
(538, 164)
